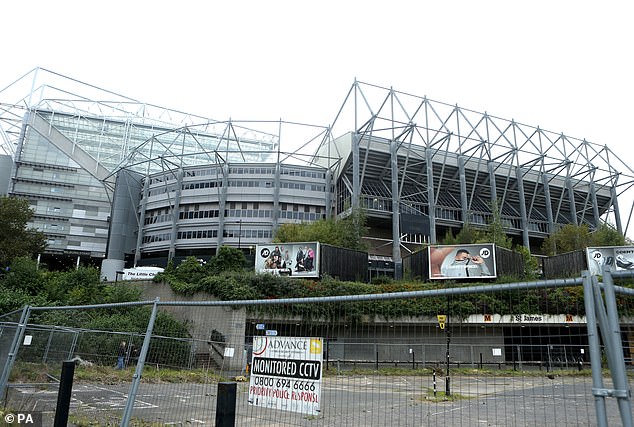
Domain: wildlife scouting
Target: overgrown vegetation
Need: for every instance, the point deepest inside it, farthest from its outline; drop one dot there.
(247, 285)
(26, 284)
(343, 232)
(25, 372)
(16, 239)
(576, 237)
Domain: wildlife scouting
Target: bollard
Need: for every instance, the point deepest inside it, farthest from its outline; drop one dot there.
(447, 386)
(226, 405)
(64, 394)
(434, 377)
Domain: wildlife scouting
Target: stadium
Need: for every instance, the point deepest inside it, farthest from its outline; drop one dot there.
(116, 182)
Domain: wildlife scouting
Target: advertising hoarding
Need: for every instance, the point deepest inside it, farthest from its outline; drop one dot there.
(286, 374)
(617, 258)
(462, 261)
(288, 259)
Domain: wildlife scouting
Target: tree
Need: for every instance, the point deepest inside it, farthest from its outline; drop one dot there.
(343, 232)
(466, 235)
(568, 238)
(495, 232)
(226, 259)
(16, 239)
(607, 235)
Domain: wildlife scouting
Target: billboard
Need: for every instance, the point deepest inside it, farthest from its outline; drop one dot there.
(617, 258)
(286, 374)
(288, 259)
(462, 261)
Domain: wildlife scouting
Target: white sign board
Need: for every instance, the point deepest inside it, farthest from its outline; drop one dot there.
(140, 273)
(286, 374)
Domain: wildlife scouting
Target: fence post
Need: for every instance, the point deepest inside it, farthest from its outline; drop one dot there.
(447, 378)
(226, 405)
(13, 351)
(615, 353)
(64, 394)
(136, 379)
(594, 349)
(48, 345)
(376, 357)
(73, 345)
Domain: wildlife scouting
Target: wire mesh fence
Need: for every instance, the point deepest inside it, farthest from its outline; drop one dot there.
(496, 355)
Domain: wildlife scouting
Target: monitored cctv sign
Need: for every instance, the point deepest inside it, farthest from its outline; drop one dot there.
(286, 374)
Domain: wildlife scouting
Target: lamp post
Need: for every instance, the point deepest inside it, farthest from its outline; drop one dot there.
(239, 234)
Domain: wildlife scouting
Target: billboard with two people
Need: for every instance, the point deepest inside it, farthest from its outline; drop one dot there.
(288, 259)
(462, 261)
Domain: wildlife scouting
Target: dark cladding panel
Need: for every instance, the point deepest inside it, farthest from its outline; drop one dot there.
(415, 224)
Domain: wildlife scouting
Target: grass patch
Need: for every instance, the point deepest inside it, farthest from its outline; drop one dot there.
(24, 372)
(81, 420)
(474, 372)
(441, 396)
(379, 372)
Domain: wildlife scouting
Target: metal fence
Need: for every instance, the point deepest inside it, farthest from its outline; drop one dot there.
(498, 355)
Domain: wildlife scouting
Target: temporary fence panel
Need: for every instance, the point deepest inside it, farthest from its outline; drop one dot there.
(506, 355)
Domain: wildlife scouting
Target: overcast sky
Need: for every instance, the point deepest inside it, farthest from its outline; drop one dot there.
(565, 66)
